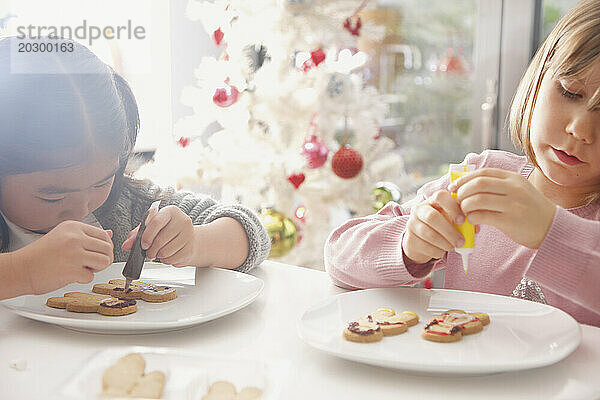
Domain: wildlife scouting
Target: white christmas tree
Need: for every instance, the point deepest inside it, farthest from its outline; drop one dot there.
(298, 131)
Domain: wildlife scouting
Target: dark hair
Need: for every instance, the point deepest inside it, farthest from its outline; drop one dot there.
(57, 109)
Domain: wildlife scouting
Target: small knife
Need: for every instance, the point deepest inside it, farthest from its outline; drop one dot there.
(137, 255)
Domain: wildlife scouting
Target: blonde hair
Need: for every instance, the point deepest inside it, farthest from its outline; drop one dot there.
(570, 51)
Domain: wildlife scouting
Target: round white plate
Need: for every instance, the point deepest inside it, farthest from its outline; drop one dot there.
(522, 334)
(217, 292)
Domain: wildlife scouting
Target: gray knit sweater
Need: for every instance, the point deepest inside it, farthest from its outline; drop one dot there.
(131, 206)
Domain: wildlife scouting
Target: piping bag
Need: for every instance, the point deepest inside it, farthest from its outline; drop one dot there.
(137, 256)
(466, 229)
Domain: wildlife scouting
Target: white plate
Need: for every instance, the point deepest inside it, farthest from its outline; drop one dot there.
(522, 334)
(188, 374)
(217, 292)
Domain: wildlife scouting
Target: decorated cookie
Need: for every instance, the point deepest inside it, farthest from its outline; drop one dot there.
(408, 317)
(126, 378)
(453, 321)
(363, 331)
(133, 292)
(469, 323)
(77, 302)
(115, 307)
(386, 319)
(390, 325)
(135, 284)
(483, 317)
(138, 290)
(159, 294)
(437, 331)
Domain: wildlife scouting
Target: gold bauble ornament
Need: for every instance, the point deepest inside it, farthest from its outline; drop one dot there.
(281, 230)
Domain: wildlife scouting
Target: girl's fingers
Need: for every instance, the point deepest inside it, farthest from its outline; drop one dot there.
(477, 228)
(176, 259)
(445, 203)
(426, 233)
(96, 261)
(93, 245)
(96, 232)
(484, 202)
(434, 228)
(128, 243)
(157, 223)
(488, 218)
(483, 172)
(483, 185)
(422, 246)
(166, 235)
(171, 248)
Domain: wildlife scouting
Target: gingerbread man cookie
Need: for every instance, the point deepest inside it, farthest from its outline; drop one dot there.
(137, 290)
(92, 303)
(386, 320)
(437, 331)
(392, 323)
(452, 325)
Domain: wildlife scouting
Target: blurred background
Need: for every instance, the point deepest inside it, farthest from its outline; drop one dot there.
(311, 111)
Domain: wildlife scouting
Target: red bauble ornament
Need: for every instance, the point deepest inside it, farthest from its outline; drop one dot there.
(314, 151)
(316, 57)
(427, 284)
(296, 179)
(346, 162)
(354, 30)
(226, 96)
(218, 36)
(183, 141)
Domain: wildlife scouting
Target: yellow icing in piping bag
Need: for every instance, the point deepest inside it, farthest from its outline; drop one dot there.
(466, 228)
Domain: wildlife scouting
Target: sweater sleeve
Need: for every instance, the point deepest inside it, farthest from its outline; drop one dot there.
(568, 261)
(203, 210)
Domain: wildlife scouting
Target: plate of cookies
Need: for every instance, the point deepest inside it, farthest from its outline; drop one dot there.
(163, 299)
(440, 331)
(164, 373)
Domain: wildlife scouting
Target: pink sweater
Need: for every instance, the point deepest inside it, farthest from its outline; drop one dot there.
(366, 252)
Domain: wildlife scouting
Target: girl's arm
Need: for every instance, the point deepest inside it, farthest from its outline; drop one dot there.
(240, 233)
(203, 211)
(568, 260)
(222, 243)
(366, 252)
(15, 281)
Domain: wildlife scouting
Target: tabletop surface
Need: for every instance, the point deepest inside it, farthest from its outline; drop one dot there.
(267, 330)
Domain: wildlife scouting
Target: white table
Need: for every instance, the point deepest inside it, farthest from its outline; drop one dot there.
(266, 329)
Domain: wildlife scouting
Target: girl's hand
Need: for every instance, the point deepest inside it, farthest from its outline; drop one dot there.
(430, 231)
(71, 252)
(507, 201)
(169, 235)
